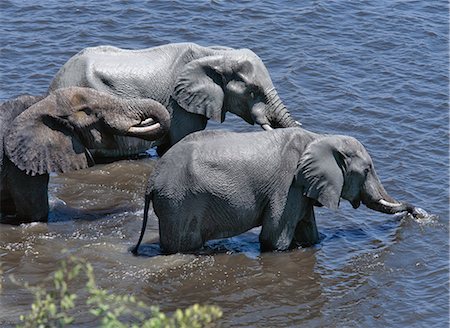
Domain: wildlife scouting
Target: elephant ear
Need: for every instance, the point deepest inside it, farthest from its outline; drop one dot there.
(9, 110)
(321, 172)
(199, 87)
(41, 141)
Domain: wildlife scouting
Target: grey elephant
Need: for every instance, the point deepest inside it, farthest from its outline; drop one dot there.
(194, 83)
(217, 184)
(53, 134)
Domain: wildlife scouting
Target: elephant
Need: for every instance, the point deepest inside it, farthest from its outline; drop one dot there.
(193, 82)
(218, 184)
(40, 135)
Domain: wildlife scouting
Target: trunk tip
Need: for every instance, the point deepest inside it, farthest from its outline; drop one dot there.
(411, 209)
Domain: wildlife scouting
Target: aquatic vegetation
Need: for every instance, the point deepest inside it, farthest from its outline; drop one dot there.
(58, 305)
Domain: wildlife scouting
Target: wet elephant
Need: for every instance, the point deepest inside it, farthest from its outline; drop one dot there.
(195, 83)
(219, 184)
(54, 134)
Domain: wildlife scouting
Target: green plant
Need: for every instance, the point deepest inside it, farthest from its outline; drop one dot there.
(56, 307)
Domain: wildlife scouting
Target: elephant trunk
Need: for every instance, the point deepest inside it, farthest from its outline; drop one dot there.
(142, 118)
(277, 113)
(375, 197)
(154, 118)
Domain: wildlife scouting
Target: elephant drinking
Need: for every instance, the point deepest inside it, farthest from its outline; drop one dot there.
(53, 134)
(217, 184)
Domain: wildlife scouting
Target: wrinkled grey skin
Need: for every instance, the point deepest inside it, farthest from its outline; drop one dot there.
(194, 83)
(219, 184)
(41, 135)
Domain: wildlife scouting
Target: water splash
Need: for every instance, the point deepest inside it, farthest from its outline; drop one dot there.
(422, 216)
(55, 202)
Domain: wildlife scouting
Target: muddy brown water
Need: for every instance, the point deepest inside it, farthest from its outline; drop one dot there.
(96, 215)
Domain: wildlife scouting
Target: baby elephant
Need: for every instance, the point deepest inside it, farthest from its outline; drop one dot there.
(219, 184)
(55, 134)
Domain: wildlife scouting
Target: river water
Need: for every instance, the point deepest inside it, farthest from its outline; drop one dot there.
(376, 70)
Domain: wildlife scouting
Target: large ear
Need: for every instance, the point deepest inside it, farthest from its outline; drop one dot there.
(199, 87)
(41, 140)
(9, 110)
(321, 171)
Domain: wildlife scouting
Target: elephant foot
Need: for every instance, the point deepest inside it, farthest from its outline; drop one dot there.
(303, 244)
(14, 220)
(8, 219)
(306, 239)
(271, 243)
(306, 233)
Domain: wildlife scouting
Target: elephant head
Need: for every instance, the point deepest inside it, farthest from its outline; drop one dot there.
(232, 80)
(54, 134)
(338, 166)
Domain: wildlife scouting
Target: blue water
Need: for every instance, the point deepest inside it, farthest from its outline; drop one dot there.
(376, 70)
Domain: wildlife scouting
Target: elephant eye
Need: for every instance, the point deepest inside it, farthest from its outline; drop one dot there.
(86, 110)
(366, 170)
(253, 91)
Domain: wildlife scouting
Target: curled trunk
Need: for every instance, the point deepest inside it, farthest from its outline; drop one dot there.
(142, 118)
(154, 119)
(136, 124)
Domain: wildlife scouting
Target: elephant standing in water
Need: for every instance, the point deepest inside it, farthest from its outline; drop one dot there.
(217, 184)
(194, 83)
(53, 134)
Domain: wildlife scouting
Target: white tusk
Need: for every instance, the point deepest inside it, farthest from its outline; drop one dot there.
(147, 121)
(298, 123)
(267, 127)
(388, 204)
(145, 129)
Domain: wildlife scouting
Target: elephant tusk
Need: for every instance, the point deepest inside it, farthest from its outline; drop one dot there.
(388, 204)
(145, 129)
(267, 127)
(148, 121)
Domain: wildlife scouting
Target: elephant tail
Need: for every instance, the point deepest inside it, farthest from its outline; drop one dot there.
(148, 198)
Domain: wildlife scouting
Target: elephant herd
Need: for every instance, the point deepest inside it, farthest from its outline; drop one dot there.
(110, 102)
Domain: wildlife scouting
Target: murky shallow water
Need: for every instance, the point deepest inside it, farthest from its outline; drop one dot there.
(374, 70)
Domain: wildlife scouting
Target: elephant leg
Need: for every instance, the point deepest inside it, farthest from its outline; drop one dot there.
(180, 228)
(182, 123)
(7, 206)
(178, 238)
(306, 233)
(280, 221)
(30, 195)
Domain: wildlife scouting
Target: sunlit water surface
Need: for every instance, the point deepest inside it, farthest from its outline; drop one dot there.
(375, 70)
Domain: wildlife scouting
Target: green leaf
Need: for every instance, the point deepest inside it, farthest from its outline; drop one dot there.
(52, 308)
